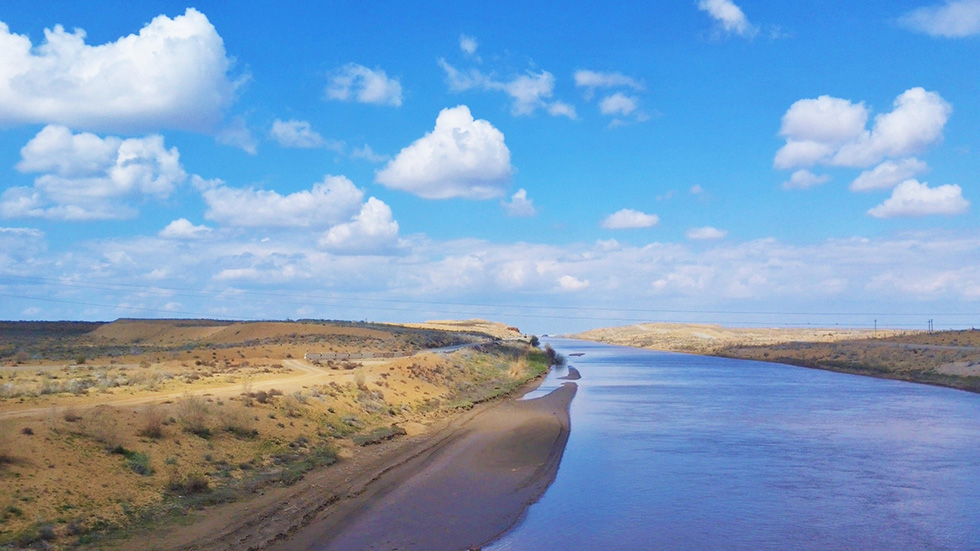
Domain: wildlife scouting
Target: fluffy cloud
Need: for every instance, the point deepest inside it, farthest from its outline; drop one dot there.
(372, 230)
(888, 174)
(728, 15)
(332, 201)
(528, 92)
(460, 157)
(85, 177)
(183, 229)
(572, 283)
(618, 104)
(519, 205)
(832, 131)
(173, 74)
(299, 134)
(804, 179)
(705, 233)
(354, 82)
(912, 199)
(952, 19)
(233, 271)
(630, 219)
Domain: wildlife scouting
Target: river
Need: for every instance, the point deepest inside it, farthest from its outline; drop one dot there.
(680, 452)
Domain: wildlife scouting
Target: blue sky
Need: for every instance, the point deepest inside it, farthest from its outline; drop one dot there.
(557, 167)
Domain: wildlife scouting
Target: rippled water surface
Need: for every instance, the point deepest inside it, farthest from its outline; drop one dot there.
(679, 452)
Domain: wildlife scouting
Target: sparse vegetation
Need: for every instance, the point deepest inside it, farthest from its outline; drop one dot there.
(554, 358)
(124, 462)
(192, 414)
(153, 419)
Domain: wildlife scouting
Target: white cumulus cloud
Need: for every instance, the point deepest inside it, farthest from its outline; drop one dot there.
(832, 131)
(626, 219)
(804, 179)
(372, 230)
(460, 157)
(519, 205)
(951, 19)
(331, 201)
(705, 233)
(888, 174)
(913, 199)
(85, 177)
(172, 74)
(354, 82)
(728, 15)
(182, 228)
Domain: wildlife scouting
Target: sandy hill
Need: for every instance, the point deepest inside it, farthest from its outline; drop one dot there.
(170, 332)
(494, 329)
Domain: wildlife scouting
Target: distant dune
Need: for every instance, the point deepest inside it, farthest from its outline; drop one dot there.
(708, 339)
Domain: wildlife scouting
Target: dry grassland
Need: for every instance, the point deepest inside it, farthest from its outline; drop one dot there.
(106, 427)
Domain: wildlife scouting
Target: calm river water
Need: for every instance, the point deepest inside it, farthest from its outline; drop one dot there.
(678, 452)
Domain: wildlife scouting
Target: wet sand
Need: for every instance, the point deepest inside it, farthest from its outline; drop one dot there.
(461, 494)
(573, 374)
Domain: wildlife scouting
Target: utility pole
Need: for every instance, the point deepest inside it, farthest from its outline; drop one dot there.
(876, 328)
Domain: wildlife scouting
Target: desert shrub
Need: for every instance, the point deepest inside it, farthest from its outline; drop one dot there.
(192, 483)
(238, 422)
(554, 358)
(360, 379)
(152, 421)
(27, 431)
(192, 414)
(103, 427)
(70, 415)
(291, 406)
(138, 462)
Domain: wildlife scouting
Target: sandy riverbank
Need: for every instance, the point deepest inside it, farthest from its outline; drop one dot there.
(461, 494)
(457, 486)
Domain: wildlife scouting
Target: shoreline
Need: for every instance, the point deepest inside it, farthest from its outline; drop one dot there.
(461, 494)
(929, 378)
(294, 517)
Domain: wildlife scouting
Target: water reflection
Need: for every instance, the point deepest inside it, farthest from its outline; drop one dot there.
(679, 452)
